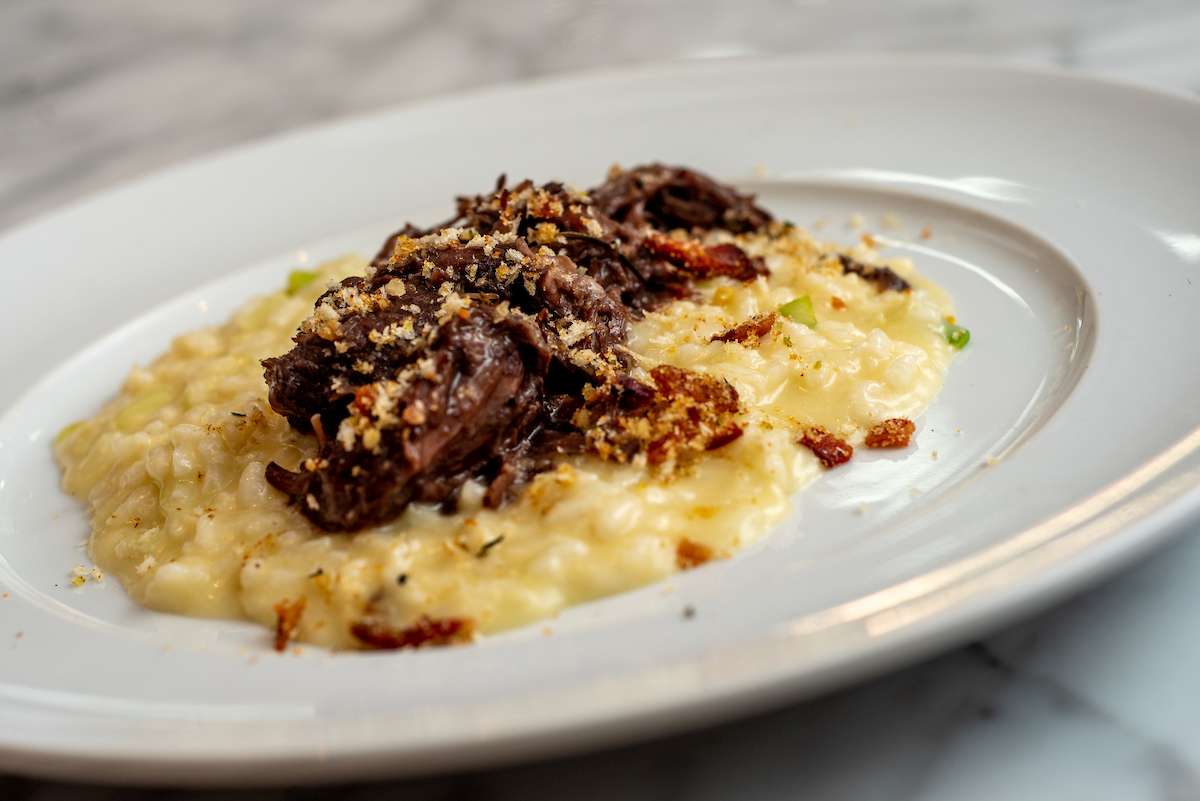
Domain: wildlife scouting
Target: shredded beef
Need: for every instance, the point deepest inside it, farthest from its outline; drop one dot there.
(493, 346)
(674, 197)
(605, 233)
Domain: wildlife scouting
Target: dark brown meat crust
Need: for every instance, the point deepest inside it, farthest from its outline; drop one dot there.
(666, 198)
(489, 351)
(448, 364)
(630, 256)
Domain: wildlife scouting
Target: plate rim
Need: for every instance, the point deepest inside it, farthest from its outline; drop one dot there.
(1112, 540)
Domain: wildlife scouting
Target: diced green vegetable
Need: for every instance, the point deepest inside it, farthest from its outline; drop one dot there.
(298, 279)
(956, 335)
(800, 310)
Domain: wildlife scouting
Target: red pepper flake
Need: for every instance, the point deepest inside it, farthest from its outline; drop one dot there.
(426, 631)
(837, 303)
(895, 432)
(830, 450)
(689, 554)
(926, 232)
(287, 619)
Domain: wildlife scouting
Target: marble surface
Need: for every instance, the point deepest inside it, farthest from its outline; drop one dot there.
(1093, 701)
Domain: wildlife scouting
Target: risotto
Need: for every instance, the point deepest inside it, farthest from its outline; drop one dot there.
(172, 470)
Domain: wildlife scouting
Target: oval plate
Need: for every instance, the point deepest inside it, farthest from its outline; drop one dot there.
(1060, 212)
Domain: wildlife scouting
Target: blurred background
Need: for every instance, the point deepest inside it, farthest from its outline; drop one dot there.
(1090, 701)
(94, 92)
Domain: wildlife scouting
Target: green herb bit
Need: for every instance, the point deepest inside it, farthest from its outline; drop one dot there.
(787, 341)
(956, 335)
(298, 279)
(800, 310)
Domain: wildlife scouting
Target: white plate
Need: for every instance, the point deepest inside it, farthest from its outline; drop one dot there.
(1064, 219)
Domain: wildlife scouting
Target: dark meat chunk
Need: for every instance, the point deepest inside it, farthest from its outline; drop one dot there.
(637, 265)
(884, 278)
(418, 438)
(750, 331)
(666, 197)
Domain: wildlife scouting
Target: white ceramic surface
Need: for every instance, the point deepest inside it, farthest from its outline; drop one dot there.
(1072, 259)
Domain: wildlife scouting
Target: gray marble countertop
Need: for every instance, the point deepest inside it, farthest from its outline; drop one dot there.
(1095, 700)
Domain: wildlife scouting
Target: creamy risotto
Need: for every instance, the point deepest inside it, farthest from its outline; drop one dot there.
(172, 469)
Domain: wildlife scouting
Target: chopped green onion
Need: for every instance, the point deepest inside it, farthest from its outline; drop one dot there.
(800, 310)
(956, 335)
(298, 279)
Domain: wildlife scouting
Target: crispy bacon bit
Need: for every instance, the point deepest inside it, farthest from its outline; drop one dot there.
(689, 554)
(751, 330)
(882, 277)
(426, 631)
(837, 303)
(895, 432)
(830, 450)
(683, 414)
(287, 619)
(724, 436)
(705, 261)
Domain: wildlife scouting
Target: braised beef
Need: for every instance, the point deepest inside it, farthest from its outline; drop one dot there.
(666, 197)
(490, 349)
